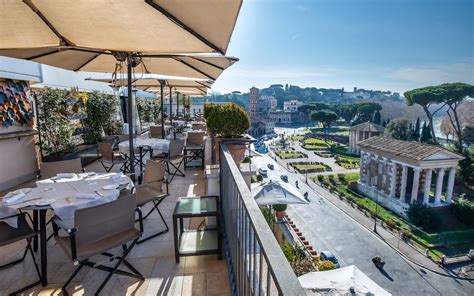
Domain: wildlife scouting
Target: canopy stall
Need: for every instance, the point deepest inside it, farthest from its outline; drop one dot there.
(112, 38)
(348, 280)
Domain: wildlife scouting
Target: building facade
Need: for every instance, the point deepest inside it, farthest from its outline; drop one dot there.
(361, 132)
(292, 106)
(398, 173)
(254, 100)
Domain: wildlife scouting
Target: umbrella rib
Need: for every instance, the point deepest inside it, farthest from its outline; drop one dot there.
(87, 62)
(35, 9)
(208, 63)
(198, 82)
(43, 54)
(184, 26)
(195, 69)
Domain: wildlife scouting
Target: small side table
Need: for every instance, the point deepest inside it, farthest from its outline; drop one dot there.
(196, 242)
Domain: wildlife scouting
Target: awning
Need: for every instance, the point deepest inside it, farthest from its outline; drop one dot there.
(272, 193)
(340, 282)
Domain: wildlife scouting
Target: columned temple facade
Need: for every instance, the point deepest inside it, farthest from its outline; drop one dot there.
(398, 173)
(361, 132)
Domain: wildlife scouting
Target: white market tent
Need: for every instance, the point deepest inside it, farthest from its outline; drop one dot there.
(272, 193)
(341, 281)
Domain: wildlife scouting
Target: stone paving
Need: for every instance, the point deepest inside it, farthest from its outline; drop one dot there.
(200, 275)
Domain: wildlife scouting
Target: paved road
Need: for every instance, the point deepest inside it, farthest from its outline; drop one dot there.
(328, 228)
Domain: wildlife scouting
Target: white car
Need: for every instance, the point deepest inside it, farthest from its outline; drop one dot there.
(262, 172)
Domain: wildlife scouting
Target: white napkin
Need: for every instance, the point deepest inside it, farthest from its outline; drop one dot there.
(65, 175)
(116, 177)
(45, 181)
(86, 195)
(17, 198)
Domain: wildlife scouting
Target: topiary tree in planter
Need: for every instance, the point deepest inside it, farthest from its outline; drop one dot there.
(280, 210)
(227, 121)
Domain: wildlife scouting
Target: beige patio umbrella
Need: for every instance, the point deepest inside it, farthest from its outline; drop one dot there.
(109, 36)
(157, 26)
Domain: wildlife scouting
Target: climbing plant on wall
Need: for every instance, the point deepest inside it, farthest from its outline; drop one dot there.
(100, 109)
(56, 106)
(15, 103)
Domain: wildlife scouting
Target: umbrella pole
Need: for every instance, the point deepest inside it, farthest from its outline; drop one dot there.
(162, 110)
(177, 104)
(184, 109)
(130, 117)
(171, 105)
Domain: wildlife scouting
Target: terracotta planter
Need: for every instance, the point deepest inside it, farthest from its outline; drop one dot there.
(280, 215)
(236, 150)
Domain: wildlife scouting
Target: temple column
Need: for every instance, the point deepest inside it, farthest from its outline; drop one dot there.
(393, 180)
(449, 191)
(403, 188)
(356, 138)
(416, 183)
(439, 186)
(427, 189)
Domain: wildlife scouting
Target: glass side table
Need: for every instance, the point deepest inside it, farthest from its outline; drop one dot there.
(196, 242)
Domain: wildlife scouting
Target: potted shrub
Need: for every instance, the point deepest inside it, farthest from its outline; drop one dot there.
(228, 122)
(280, 211)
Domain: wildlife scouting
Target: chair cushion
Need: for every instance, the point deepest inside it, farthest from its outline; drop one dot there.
(146, 193)
(10, 234)
(99, 246)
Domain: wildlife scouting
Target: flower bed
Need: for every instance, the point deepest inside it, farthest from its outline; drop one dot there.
(348, 162)
(324, 154)
(310, 167)
(290, 155)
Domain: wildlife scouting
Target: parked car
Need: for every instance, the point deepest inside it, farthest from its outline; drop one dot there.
(284, 178)
(270, 166)
(262, 172)
(327, 255)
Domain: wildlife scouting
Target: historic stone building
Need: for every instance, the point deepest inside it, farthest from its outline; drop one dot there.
(398, 173)
(360, 132)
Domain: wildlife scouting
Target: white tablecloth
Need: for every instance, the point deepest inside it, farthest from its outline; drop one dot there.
(64, 192)
(158, 145)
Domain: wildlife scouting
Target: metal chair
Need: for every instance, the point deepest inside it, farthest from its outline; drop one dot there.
(174, 158)
(97, 230)
(156, 131)
(110, 159)
(51, 169)
(194, 149)
(152, 191)
(9, 235)
(198, 126)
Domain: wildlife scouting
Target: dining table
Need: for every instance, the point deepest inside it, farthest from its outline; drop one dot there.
(145, 144)
(64, 194)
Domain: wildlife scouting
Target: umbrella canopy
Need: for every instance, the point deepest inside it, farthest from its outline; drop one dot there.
(158, 26)
(182, 85)
(272, 193)
(340, 281)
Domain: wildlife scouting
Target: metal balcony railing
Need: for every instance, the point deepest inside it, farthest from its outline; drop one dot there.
(256, 263)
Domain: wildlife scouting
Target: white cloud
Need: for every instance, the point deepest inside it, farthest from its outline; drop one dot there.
(301, 7)
(435, 74)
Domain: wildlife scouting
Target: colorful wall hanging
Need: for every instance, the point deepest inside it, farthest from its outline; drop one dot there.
(15, 103)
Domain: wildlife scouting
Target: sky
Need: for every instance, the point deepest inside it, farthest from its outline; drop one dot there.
(392, 45)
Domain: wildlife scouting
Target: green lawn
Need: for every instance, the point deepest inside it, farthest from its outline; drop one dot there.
(324, 154)
(337, 129)
(296, 138)
(310, 167)
(290, 155)
(348, 162)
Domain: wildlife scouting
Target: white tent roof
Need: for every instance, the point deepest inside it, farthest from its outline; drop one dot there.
(339, 281)
(272, 193)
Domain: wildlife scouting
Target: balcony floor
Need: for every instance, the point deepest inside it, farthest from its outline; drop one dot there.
(199, 275)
